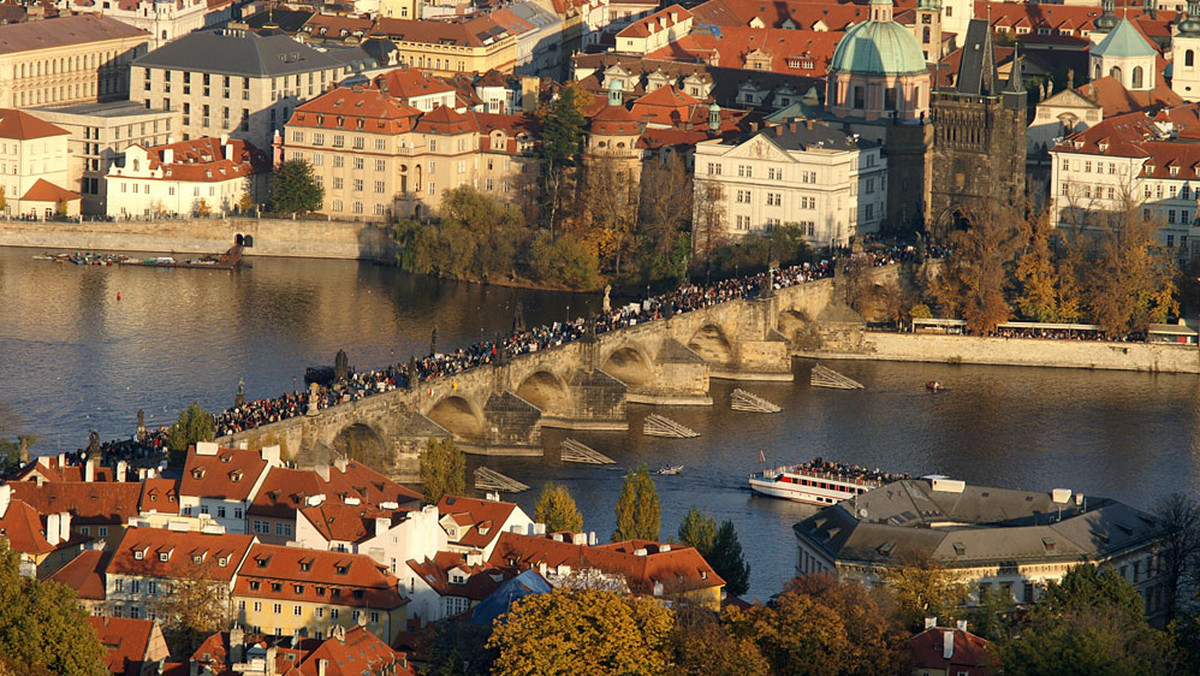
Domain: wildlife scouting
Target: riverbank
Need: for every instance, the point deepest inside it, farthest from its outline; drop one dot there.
(1073, 354)
(276, 237)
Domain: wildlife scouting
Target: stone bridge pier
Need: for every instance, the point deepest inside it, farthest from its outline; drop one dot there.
(586, 385)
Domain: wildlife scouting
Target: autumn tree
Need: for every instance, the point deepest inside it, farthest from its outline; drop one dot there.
(43, 629)
(443, 470)
(704, 646)
(708, 226)
(1179, 517)
(1130, 280)
(607, 211)
(638, 514)
(583, 633)
(923, 589)
(974, 282)
(246, 201)
(820, 625)
(195, 607)
(1089, 622)
(296, 189)
(699, 530)
(859, 286)
(556, 508)
(727, 560)
(194, 424)
(664, 216)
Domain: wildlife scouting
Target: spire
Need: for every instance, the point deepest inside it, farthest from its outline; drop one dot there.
(1191, 25)
(1015, 83)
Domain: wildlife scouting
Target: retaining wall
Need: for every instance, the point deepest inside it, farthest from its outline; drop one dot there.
(272, 237)
(1160, 358)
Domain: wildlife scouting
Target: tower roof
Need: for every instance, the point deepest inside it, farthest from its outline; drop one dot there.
(1124, 41)
(878, 48)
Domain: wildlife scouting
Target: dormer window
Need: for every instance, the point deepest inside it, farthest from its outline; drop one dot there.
(1174, 171)
(198, 473)
(254, 585)
(139, 554)
(305, 566)
(342, 569)
(227, 457)
(276, 586)
(236, 475)
(262, 563)
(164, 556)
(197, 558)
(223, 561)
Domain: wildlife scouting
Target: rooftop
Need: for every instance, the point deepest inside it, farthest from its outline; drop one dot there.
(63, 31)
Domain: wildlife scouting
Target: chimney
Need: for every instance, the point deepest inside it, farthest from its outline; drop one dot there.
(224, 139)
(168, 156)
(592, 538)
(382, 525)
(44, 461)
(229, 151)
(930, 622)
(62, 460)
(271, 455)
(664, 548)
(579, 538)
(242, 444)
(122, 468)
(206, 448)
(322, 667)
(948, 643)
(272, 657)
(340, 463)
(64, 527)
(52, 528)
(323, 472)
(89, 470)
(962, 625)
(237, 640)
(39, 480)
(5, 498)
(493, 497)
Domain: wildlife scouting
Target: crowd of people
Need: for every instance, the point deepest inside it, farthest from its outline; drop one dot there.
(687, 298)
(850, 472)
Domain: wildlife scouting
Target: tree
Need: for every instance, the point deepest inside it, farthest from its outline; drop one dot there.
(1090, 622)
(195, 607)
(708, 226)
(1129, 281)
(60, 208)
(3, 200)
(43, 630)
(727, 560)
(638, 513)
(443, 470)
(296, 188)
(194, 424)
(202, 208)
(976, 274)
(698, 530)
(1036, 273)
(246, 201)
(562, 139)
(1179, 517)
(664, 217)
(820, 625)
(705, 647)
(565, 261)
(584, 633)
(556, 508)
(925, 589)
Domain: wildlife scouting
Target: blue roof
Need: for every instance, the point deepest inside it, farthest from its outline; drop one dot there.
(878, 48)
(498, 602)
(1124, 41)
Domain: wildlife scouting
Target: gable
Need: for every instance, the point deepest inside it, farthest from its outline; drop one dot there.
(759, 148)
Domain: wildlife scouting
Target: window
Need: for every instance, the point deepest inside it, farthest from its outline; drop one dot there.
(261, 527)
(102, 531)
(358, 185)
(237, 513)
(358, 163)
(333, 613)
(297, 137)
(297, 610)
(221, 511)
(337, 183)
(359, 143)
(714, 168)
(318, 139)
(745, 171)
(278, 608)
(258, 606)
(380, 165)
(774, 199)
(281, 528)
(379, 186)
(374, 617)
(380, 144)
(338, 161)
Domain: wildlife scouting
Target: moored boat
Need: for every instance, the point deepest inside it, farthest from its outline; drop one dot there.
(819, 482)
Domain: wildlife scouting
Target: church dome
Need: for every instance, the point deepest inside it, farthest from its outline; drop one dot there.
(878, 47)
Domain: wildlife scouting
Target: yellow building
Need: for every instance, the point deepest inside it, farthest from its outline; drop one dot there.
(69, 60)
(287, 591)
(442, 48)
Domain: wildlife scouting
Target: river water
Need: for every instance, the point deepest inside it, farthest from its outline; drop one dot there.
(74, 357)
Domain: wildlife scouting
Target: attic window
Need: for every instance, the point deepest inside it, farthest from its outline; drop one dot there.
(299, 588)
(886, 548)
(197, 558)
(305, 565)
(223, 561)
(1174, 171)
(139, 554)
(227, 457)
(262, 563)
(320, 591)
(959, 549)
(1048, 544)
(276, 586)
(198, 473)
(254, 585)
(164, 556)
(235, 475)
(342, 568)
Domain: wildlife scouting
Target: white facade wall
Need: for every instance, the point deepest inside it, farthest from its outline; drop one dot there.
(417, 537)
(24, 162)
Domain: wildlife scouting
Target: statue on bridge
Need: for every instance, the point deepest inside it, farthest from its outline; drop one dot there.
(519, 319)
(607, 301)
(433, 341)
(314, 399)
(240, 399)
(414, 378)
(141, 425)
(341, 367)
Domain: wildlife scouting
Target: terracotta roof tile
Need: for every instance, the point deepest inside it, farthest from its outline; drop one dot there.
(348, 107)
(130, 643)
(230, 474)
(337, 521)
(85, 574)
(160, 495)
(317, 576)
(89, 503)
(480, 579)
(970, 651)
(476, 512)
(63, 31)
(45, 191)
(182, 551)
(22, 126)
(22, 526)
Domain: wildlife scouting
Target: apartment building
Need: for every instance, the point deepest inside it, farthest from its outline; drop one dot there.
(162, 21)
(288, 591)
(198, 176)
(475, 45)
(68, 60)
(99, 135)
(34, 165)
(476, 525)
(238, 82)
(833, 185)
(222, 482)
(43, 542)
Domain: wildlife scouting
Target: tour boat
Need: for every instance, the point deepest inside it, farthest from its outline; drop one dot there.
(669, 469)
(819, 482)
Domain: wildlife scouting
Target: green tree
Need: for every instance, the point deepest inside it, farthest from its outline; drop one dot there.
(43, 630)
(583, 633)
(727, 560)
(820, 625)
(443, 470)
(564, 261)
(556, 508)
(296, 189)
(638, 514)
(1090, 622)
(194, 424)
(698, 530)
(562, 139)
(195, 607)
(925, 589)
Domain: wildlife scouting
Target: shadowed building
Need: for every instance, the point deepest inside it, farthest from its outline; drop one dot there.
(979, 144)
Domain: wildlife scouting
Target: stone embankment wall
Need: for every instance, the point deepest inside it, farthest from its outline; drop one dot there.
(1155, 358)
(272, 237)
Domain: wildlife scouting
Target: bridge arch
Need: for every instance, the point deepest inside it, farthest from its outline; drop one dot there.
(630, 364)
(547, 391)
(362, 442)
(459, 416)
(711, 343)
(798, 328)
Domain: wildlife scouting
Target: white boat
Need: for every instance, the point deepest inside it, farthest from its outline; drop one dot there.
(669, 469)
(818, 482)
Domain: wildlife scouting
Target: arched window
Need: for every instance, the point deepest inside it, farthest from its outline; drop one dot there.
(1189, 58)
(860, 97)
(1096, 72)
(925, 35)
(1115, 73)
(1137, 77)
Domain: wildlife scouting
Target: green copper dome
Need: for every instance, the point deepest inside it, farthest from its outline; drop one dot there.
(1124, 42)
(878, 48)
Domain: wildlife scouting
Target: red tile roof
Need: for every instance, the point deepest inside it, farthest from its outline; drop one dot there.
(22, 525)
(355, 480)
(317, 576)
(45, 191)
(85, 574)
(615, 121)
(405, 83)
(66, 30)
(646, 27)
(49, 469)
(1078, 17)
(22, 126)
(668, 106)
(230, 474)
(202, 160)
(348, 107)
(969, 655)
(481, 578)
(130, 643)
(184, 552)
(89, 503)
(676, 568)
(348, 523)
(358, 652)
(476, 32)
(284, 491)
(1115, 99)
(483, 518)
(335, 27)
(160, 495)
(442, 120)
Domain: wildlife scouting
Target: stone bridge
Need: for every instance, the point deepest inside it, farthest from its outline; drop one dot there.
(501, 409)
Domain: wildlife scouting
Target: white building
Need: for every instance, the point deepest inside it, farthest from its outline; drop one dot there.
(163, 21)
(222, 482)
(34, 165)
(200, 176)
(389, 535)
(1058, 117)
(1127, 56)
(1185, 44)
(832, 185)
(475, 525)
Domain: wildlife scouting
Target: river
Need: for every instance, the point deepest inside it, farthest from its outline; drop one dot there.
(75, 358)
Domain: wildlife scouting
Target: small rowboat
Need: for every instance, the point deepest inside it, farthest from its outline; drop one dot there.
(669, 469)
(935, 386)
